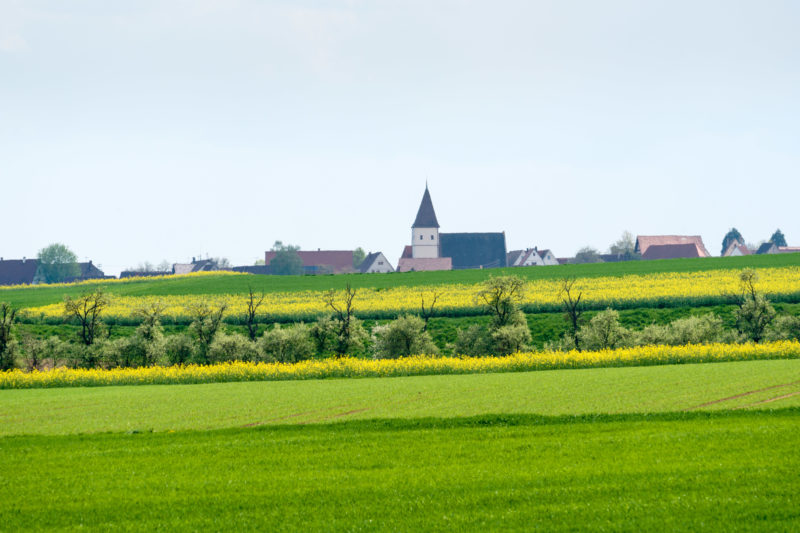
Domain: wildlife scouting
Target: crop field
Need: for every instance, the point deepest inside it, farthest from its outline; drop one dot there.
(679, 447)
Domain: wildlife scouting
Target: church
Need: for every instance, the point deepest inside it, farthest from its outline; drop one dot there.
(431, 250)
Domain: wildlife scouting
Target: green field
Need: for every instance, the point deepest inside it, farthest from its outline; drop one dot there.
(681, 447)
(43, 295)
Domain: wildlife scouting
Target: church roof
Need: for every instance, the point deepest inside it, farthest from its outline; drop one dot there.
(474, 250)
(426, 216)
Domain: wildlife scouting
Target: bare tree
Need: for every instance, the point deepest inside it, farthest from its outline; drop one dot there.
(206, 323)
(253, 303)
(572, 308)
(343, 310)
(426, 314)
(87, 309)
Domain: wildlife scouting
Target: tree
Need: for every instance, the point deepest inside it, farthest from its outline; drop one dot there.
(350, 333)
(87, 310)
(8, 346)
(358, 257)
(587, 254)
(572, 309)
(286, 261)
(501, 296)
(733, 235)
(625, 247)
(206, 323)
(287, 345)
(427, 313)
(403, 337)
(253, 303)
(604, 331)
(57, 263)
(754, 313)
(778, 239)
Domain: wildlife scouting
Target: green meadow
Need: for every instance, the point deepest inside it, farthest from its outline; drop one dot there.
(681, 447)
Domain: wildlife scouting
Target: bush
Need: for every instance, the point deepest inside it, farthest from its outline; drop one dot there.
(473, 341)
(510, 339)
(402, 337)
(179, 349)
(231, 347)
(690, 330)
(785, 327)
(287, 345)
(603, 331)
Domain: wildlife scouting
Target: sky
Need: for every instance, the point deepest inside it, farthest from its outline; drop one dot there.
(171, 129)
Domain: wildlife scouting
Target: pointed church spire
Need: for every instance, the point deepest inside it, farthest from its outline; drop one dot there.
(426, 216)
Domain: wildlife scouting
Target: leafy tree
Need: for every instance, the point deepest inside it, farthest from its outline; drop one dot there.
(287, 345)
(402, 337)
(778, 239)
(733, 235)
(587, 254)
(604, 331)
(358, 257)
(179, 349)
(8, 345)
(625, 247)
(286, 261)
(57, 263)
(232, 347)
(87, 310)
(508, 330)
(785, 327)
(754, 313)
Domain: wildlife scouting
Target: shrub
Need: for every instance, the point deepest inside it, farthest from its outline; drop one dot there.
(704, 329)
(232, 347)
(510, 339)
(755, 313)
(604, 331)
(403, 337)
(8, 345)
(287, 345)
(179, 349)
(473, 341)
(785, 327)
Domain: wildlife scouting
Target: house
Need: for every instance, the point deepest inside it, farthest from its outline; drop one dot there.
(88, 271)
(432, 250)
(375, 262)
(770, 248)
(203, 265)
(671, 251)
(322, 261)
(253, 269)
(643, 242)
(17, 271)
(736, 249)
(531, 257)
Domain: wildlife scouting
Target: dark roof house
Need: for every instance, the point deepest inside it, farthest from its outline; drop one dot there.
(474, 250)
(671, 251)
(322, 261)
(17, 271)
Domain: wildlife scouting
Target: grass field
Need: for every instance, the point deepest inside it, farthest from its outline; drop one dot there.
(229, 284)
(683, 447)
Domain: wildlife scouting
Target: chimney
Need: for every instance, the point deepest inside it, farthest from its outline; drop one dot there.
(23, 259)
(193, 260)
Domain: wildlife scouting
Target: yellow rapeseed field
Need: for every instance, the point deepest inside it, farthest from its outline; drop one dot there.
(600, 291)
(409, 366)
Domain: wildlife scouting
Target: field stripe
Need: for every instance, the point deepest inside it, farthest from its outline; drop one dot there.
(742, 395)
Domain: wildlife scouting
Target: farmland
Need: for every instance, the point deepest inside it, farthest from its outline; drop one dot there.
(622, 448)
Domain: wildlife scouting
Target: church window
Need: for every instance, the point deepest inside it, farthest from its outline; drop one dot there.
(431, 237)
(421, 237)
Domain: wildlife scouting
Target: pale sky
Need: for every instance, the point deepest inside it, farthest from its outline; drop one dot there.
(152, 130)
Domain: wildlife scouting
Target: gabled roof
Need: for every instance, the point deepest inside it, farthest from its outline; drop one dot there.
(767, 248)
(367, 262)
(743, 249)
(643, 242)
(17, 271)
(474, 250)
(408, 252)
(339, 260)
(426, 216)
(671, 251)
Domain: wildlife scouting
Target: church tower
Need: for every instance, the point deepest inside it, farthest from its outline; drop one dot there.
(425, 230)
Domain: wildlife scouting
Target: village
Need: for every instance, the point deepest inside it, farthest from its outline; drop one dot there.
(429, 250)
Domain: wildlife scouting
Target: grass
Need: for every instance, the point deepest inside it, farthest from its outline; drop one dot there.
(731, 472)
(227, 284)
(561, 392)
